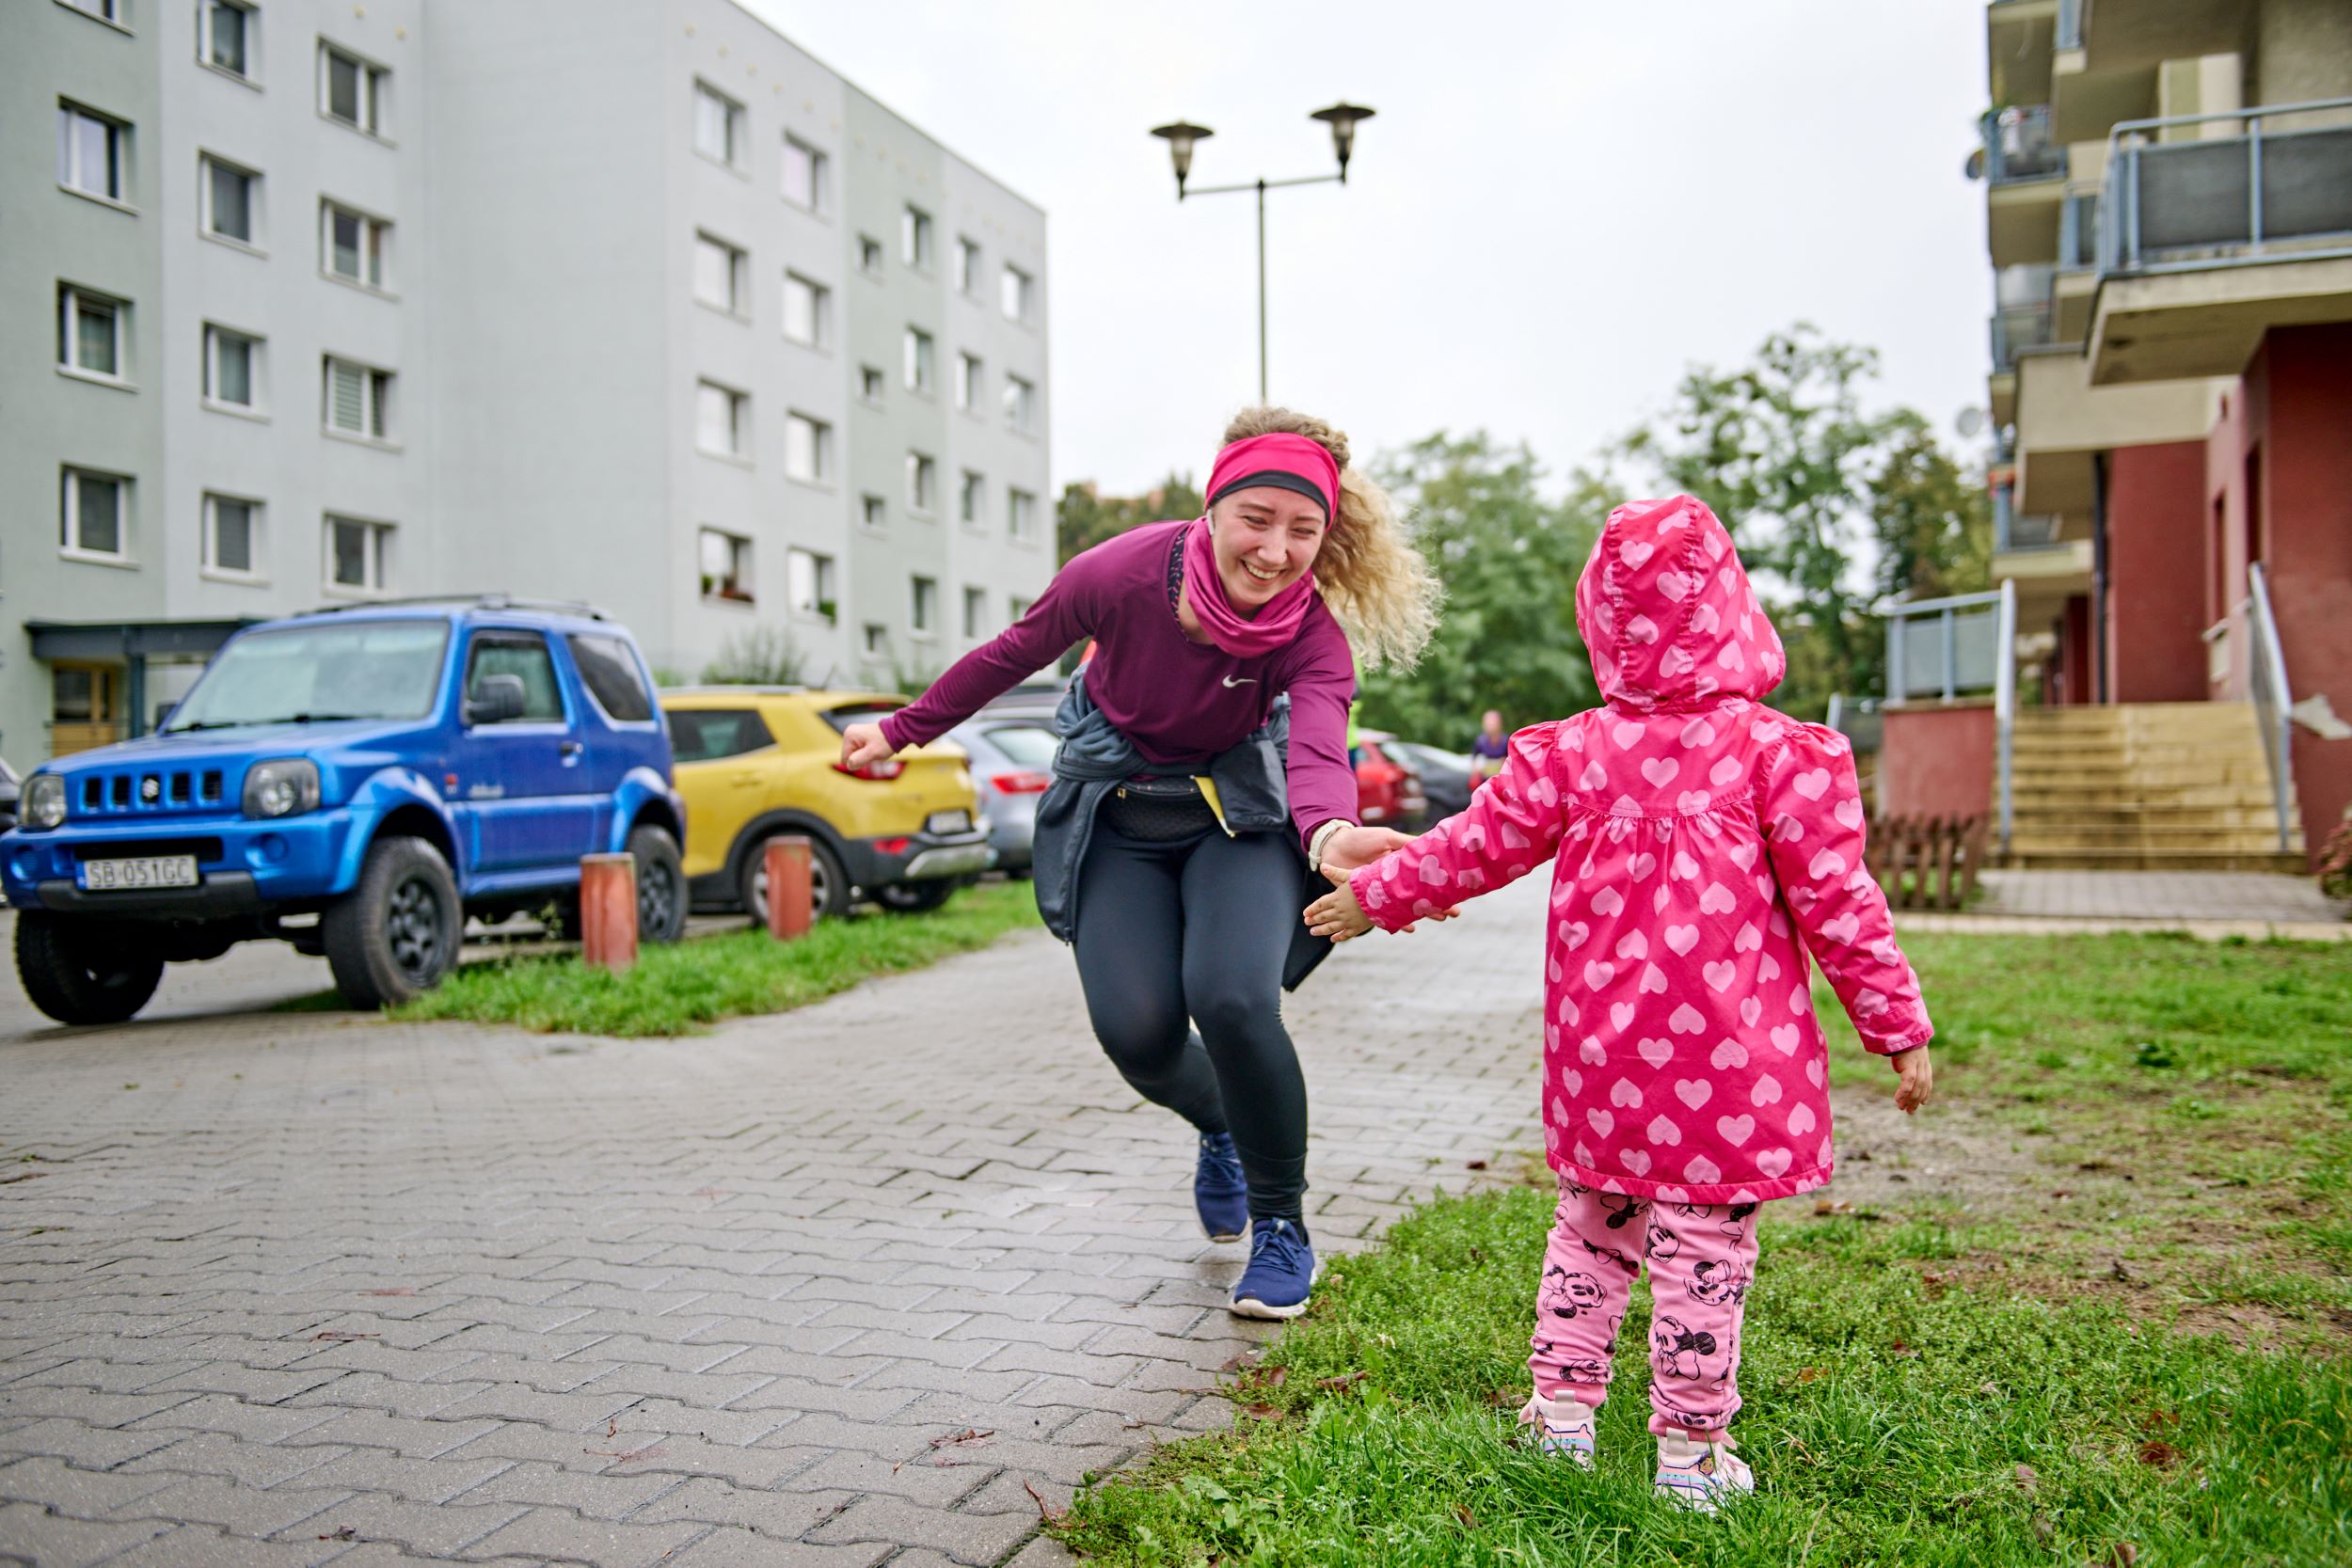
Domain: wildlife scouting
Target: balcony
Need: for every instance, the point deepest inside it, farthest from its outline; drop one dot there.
(2024, 172)
(2018, 146)
(2213, 229)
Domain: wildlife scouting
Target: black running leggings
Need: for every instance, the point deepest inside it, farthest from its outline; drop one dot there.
(1194, 933)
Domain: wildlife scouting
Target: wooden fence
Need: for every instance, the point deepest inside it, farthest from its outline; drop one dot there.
(1928, 862)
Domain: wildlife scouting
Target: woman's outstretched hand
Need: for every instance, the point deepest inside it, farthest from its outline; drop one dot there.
(1350, 849)
(862, 746)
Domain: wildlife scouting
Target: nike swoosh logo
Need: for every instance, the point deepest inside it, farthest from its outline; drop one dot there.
(1229, 681)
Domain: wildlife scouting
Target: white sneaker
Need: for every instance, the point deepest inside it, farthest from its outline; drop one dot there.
(1701, 1476)
(1563, 1427)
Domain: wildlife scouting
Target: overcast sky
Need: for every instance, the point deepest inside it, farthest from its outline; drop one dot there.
(1559, 206)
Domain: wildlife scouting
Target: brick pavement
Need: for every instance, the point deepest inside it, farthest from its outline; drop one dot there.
(308, 1287)
(2207, 904)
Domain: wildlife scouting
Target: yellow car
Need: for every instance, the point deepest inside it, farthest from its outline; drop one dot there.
(757, 761)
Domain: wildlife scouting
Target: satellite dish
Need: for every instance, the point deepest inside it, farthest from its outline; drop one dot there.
(1970, 424)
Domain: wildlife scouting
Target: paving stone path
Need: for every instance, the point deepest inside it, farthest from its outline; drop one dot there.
(293, 1289)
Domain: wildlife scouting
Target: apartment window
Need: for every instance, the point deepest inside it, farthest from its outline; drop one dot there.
(869, 255)
(726, 566)
(922, 481)
(807, 311)
(871, 382)
(232, 201)
(90, 333)
(718, 273)
(718, 126)
(351, 245)
(225, 35)
(967, 382)
(1016, 607)
(232, 533)
(355, 554)
(810, 583)
(975, 612)
(876, 639)
(806, 175)
(1020, 404)
(106, 11)
(807, 448)
(356, 396)
(923, 606)
(914, 239)
(351, 89)
(872, 514)
(94, 515)
(1021, 515)
(90, 153)
(967, 265)
(918, 357)
(718, 418)
(233, 368)
(1013, 291)
(971, 498)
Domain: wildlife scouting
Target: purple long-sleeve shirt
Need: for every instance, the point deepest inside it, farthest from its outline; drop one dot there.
(1179, 701)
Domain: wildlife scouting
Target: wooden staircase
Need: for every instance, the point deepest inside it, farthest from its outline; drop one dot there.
(2145, 787)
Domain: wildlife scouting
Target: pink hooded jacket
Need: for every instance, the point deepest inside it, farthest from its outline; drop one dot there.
(1698, 834)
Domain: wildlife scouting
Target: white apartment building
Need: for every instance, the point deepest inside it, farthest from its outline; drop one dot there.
(628, 301)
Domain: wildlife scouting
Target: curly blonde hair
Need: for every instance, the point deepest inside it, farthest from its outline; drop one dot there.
(1377, 584)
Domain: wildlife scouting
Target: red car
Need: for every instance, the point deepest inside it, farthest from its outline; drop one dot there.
(1388, 792)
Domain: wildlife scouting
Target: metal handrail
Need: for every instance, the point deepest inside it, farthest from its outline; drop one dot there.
(2119, 231)
(2005, 700)
(2266, 683)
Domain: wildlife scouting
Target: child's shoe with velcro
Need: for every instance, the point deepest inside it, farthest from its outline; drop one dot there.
(1563, 1427)
(1703, 1476)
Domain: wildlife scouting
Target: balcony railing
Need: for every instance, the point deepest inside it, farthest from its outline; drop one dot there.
(1945, 648)
(2017, 327)
(2069, 23)
(2017, 146)
(2272, 192)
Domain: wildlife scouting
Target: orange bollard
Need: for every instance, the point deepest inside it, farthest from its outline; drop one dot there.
(608, 911)
(788, 913)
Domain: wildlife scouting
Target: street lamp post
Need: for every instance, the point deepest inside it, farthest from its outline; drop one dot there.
(1181, 136)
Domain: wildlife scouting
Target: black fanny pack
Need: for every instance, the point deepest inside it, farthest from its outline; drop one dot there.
(1157, 811)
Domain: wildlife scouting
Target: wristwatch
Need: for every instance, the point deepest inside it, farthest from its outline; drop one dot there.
(1321, 837)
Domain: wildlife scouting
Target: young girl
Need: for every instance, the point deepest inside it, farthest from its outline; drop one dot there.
(1700, 836)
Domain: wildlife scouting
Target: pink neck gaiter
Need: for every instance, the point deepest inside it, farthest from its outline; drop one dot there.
(1289, 462)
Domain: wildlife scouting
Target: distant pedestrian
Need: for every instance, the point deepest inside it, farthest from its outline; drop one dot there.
(1705, 843)
(1490, 750)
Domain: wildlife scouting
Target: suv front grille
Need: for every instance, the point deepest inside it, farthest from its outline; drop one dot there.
(150, 791)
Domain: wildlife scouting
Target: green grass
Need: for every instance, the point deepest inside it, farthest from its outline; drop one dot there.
(679, 989)
(2177, 1113)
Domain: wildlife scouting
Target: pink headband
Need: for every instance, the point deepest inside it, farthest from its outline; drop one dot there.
(1285, 461)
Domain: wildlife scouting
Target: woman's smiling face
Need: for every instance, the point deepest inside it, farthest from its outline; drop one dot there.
(1266, 539)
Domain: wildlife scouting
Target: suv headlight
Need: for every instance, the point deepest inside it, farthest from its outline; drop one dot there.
(281, 789)
(44, 806)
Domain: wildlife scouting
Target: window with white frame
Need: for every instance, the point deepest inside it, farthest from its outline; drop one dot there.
(807, 448)
(1013, 291)
(1020, 404)
(807, 311)
(726, 565)
(810, 582)
(233, 368)
(922, 481)
(718, 418)
(94, 515)
(226, 35)
(717, 125)
(914, 239)
(918, 359)
(967, 265)
(923, 606)
(357, 398)
(232, 535)
(356, 549)
(106, 11)
(351, 89)
(91, 151)
(873, 514)
(718, 269)
(870, 256)
(972, 498)
(876, 639)
(232, 201)
(1021, 515)
(90, 336)
(807, 175)
(975, 612)
(871, 382)
(967, 382)
(351, 245)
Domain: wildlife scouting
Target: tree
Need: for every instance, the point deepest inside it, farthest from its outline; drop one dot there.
(1085, 518)
(1509, 561)
(1934, 522)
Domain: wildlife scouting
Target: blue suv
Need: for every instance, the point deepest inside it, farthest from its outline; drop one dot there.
(356, 782)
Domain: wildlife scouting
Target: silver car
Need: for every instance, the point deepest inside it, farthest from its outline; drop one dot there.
(1012, 762)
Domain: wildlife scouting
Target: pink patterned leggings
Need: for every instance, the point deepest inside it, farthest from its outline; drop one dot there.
(1701, 1257)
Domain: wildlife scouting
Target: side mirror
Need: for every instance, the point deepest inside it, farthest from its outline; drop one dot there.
(494, 700)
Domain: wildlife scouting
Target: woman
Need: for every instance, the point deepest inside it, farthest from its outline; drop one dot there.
(1192, 816)
(1490, 750)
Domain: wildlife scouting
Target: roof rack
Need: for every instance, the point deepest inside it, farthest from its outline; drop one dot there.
(479, 601)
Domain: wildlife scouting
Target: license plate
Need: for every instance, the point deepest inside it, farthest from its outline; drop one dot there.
(949, 822)
(144, 871)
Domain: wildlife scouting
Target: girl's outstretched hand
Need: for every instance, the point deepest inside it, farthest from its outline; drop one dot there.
(1915, 1076)
(1337, 916)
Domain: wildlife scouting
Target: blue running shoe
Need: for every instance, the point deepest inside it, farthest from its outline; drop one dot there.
(1219, 1190)
(1281, 1272)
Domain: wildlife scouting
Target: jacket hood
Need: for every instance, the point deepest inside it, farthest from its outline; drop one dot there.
(1668, 612)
